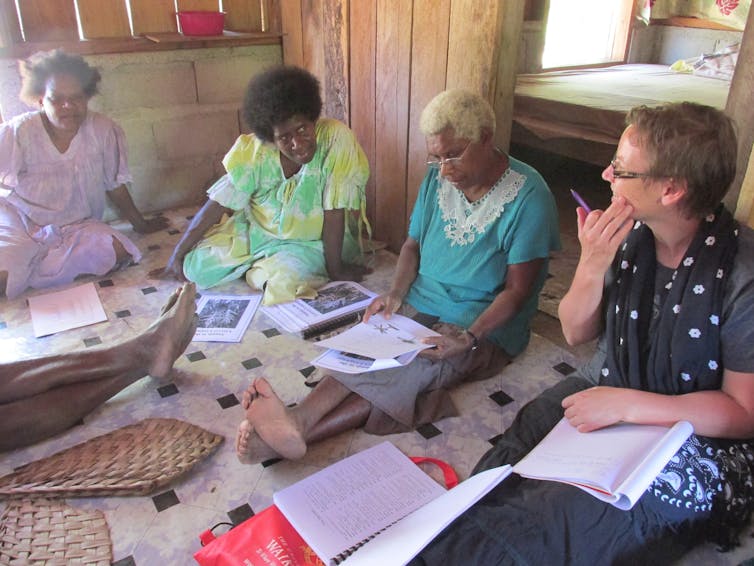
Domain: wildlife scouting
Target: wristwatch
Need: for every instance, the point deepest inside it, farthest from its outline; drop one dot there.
(474, 339)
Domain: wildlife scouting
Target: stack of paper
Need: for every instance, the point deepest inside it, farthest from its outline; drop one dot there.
(336, 304)
(381, 343)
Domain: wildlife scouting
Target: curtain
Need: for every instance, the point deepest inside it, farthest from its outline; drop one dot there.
(731, 13)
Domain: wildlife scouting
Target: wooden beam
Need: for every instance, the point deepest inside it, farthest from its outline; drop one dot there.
(739, 105)
(505, 59)
(471, 42)
(335, 76)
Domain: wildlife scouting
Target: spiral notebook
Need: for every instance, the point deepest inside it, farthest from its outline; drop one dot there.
(353, 510)
(337, 304)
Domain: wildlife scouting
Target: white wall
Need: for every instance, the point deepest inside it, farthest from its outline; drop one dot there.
(667, 44)
(179, 110)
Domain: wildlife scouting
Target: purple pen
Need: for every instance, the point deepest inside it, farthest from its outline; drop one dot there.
(581, 201)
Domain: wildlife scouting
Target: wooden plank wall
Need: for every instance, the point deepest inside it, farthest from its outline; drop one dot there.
(46, 20)
(381, 61)
(55, 20)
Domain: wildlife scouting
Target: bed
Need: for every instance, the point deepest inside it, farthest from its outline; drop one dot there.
(580, 113)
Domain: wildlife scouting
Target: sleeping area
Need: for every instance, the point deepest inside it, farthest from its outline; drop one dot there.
(579, 113)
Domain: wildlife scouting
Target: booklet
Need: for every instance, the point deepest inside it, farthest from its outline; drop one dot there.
(66, 309)
(338, 303)
(377, 507)
(615, 464)
(381, 338)
(224, 318)
(346, 508)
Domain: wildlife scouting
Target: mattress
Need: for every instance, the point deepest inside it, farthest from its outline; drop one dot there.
(590, 104)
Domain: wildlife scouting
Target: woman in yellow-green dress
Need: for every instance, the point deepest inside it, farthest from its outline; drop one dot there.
(289, 212)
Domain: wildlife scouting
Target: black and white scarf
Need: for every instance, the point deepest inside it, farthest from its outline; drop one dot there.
(680, 352)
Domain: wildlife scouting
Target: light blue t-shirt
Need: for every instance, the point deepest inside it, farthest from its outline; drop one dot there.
(465, 248)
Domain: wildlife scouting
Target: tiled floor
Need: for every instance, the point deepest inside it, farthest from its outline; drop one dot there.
(204, 389)
(207, 381)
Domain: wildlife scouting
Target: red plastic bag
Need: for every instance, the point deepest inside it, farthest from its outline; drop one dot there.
(266, 539)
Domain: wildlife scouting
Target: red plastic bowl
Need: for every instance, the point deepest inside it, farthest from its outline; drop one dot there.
(201, 22)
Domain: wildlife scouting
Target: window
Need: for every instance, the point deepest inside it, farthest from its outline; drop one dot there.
(586, 32)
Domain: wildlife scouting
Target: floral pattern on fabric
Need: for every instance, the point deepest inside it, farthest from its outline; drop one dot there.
(464, 219)
(674, 348)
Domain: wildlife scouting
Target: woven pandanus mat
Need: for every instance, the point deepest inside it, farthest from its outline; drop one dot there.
(52, 533)
(133, 460)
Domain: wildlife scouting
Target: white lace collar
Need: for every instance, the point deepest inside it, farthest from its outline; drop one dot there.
(464, 219)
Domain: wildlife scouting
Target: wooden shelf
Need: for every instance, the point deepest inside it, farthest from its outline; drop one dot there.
(148, 42)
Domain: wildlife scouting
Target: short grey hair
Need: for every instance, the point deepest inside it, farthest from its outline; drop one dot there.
(464, 111)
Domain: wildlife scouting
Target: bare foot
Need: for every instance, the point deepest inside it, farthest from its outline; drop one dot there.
(251, 449)
(170, 334)
(273, 423)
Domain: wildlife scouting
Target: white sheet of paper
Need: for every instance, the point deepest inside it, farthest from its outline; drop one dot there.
(347, 502)
(380, 337)
(400, 542)
(225, 318)
(63, 310)
(347, 363)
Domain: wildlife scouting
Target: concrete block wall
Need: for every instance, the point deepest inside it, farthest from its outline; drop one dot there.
(180, 111)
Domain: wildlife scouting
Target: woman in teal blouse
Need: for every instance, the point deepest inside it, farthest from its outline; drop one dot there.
(474, 261)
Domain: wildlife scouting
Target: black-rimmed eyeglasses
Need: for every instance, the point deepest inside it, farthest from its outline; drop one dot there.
(620, 174)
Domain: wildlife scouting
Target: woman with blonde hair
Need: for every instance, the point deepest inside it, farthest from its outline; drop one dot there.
(473, 264)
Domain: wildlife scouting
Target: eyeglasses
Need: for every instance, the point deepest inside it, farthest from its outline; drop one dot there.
(75, 100)
(438, 162)
(620, 174)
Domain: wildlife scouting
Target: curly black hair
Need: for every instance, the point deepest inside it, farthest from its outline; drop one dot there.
(277, 94)
(37, 69)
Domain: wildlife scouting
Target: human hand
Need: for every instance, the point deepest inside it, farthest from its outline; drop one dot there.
(173, 270)
(387, 304)
(601, 232)
(451, 342)
(596, 407)
(147, 226)
(350, 272)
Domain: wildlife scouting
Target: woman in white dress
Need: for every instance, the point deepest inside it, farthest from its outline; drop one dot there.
(58, 163)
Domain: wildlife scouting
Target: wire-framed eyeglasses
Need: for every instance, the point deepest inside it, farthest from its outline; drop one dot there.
(438, 162)
(621, 174)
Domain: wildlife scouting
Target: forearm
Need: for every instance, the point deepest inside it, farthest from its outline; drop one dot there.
(122, 200)
(209, 215)
(501, 310)
(580, 309)
(333, 228)
(712, 413)
(520, 280)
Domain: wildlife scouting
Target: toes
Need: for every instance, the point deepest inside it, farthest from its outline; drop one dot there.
(262, 387)
(242, 436)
